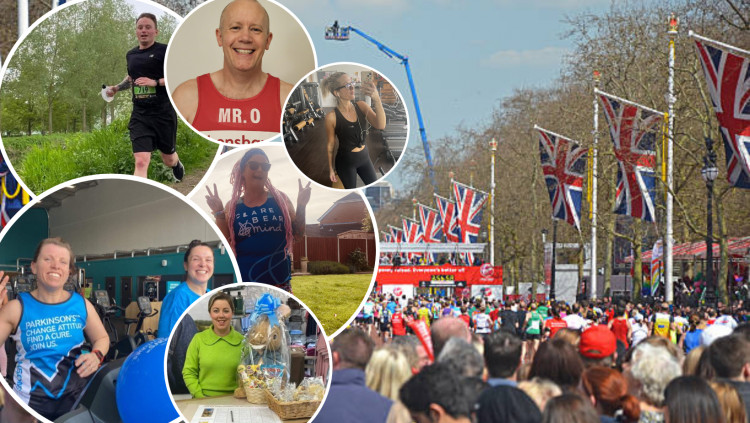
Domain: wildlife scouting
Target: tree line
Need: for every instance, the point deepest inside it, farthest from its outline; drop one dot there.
(53, 81)
(628, 45)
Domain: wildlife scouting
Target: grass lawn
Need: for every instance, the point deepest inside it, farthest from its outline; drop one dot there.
(333, 298)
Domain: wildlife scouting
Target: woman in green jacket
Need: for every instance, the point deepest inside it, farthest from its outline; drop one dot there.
(213, 355)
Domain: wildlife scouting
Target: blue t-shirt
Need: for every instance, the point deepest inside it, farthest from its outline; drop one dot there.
(48, 339)
(174, 304)
(260, 239)
(692, 339)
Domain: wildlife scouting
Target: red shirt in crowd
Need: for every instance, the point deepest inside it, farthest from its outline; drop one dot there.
(620, 329)
(554, 324)
(397, 322)
(494, 313)
(466, 319)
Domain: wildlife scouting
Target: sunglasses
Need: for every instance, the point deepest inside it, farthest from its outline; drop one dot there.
(348, 86)
(255, 165)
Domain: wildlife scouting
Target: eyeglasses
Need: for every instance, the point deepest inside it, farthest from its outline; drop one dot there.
(348, 86)
(255, 165)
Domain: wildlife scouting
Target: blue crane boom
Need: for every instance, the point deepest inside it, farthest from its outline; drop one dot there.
(342, 34)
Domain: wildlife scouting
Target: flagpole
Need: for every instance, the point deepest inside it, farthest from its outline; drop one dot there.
(725, 46)
(593, 271)
(539, 128)
(493, 148)
(668, 290)
(628, 102)
(23, 17)
(554, 261)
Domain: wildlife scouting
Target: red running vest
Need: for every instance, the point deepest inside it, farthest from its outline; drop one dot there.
(218, 113)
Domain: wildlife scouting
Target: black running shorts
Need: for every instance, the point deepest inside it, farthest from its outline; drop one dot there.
(152, 131)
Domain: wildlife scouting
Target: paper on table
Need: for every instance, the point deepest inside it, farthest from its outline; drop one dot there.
(229, 414)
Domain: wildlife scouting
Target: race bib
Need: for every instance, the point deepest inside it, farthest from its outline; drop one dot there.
(144, 91)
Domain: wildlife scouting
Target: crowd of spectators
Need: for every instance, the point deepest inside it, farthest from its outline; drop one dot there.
(483, 360)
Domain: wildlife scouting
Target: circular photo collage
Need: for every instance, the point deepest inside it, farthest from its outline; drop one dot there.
(184, 225)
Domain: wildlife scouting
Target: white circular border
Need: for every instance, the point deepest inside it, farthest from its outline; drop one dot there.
(406, 110)
(169, 91)
(207, 295)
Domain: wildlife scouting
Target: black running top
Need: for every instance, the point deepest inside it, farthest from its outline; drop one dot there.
(351, 135)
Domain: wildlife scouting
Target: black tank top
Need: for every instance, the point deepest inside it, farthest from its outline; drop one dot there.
(351, 135)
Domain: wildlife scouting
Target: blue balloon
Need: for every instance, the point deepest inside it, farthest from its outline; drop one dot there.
(141, 391)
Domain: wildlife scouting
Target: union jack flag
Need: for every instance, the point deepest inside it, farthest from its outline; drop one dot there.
(413, 233)
(449, 217)
(431, 224)
(397, 234)
(387, 237)
(563, 164)
(633, 130)
(728, 79)
(469, 202)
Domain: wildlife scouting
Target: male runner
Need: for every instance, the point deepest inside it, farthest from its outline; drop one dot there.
(153, 123)
(239, 96)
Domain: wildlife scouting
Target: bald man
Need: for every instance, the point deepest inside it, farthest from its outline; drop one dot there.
(239, 96)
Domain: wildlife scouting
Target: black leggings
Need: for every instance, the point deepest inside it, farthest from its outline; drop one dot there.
(349, 165)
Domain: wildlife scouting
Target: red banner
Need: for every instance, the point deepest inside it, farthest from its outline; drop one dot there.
(441, 276)
(420, 329)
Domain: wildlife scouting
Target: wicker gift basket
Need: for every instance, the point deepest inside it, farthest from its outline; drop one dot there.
(291, 410)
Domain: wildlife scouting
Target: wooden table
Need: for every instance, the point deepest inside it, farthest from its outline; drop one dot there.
(189, 407)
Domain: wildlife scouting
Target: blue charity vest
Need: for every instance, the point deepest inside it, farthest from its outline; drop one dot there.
(260, 239)
(48, 340)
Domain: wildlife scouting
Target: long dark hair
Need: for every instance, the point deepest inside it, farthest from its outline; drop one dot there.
(569, 408)
(690, 399)
(559, 362)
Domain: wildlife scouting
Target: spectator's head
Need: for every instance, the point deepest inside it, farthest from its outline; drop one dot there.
(413, 349)
(651, 370)
(569, 408)
(730, 358)
(387, 370)
(730, 402)
(507, 404)
(608, 390)
(743, 330)
(690, 365)
(571, 336)
(352, 348)
(446, 328)
(502, 354)
(462, 357)
(660, 341)
(540, 390)
(559, 362)
(437, 394)
(690, 399)
(598, 346)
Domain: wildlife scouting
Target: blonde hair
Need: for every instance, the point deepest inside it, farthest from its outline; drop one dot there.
(387, 370)
(540, 390)
(690, 365)
(330, 84)
(730, 401)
